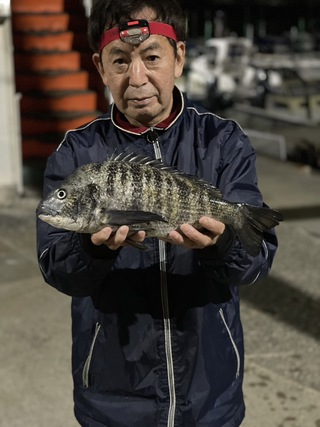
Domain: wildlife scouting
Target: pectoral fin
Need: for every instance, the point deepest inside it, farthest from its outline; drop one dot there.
(118, 218)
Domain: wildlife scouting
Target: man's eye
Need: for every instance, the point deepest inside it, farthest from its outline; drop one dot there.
(153, 58)
(119, 61)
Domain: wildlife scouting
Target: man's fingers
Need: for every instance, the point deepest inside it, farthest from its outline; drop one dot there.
(116, 239)
(101, 236)
(139, 236)
(189, 236)
(216, 227)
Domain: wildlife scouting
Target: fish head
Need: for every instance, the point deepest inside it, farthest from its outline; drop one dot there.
(59, 209)
(72, 205)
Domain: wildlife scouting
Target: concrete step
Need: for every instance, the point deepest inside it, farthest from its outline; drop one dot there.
(32, 148)
(40, 146)
(48, 61)
(37, 124)
(60, 87)
(52, 22)
(59, 102)
(46, 41)
(54, 81)
(36, 6)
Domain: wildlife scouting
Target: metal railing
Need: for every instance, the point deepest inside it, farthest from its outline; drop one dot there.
(271, 144)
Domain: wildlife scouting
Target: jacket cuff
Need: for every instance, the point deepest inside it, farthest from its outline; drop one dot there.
(99, 252)
(221, 248)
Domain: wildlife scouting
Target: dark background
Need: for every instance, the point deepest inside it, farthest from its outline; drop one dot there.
(278, 15)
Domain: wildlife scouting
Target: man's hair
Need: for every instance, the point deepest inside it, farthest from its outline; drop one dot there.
(106, 14)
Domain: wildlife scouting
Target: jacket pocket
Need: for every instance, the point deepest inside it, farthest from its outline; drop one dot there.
(232, 342)
(86, 368)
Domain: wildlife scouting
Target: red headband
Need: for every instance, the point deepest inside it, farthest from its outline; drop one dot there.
(135, 32)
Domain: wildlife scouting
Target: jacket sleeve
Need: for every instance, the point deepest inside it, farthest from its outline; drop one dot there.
(66, 259)
(237, 180)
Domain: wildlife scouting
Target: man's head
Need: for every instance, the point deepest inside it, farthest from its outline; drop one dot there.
(139, 52)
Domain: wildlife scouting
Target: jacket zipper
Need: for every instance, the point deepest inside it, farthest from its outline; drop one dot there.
(167, 333)
(86, 368)
(232, 342)
(153, 138)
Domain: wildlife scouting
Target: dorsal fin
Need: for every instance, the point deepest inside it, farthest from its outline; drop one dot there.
(141, 160)
(156, 163)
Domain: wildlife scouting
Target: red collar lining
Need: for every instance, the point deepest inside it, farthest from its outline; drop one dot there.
(122, 121)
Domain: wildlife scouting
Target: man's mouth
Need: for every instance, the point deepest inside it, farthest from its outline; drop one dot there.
(141, 101)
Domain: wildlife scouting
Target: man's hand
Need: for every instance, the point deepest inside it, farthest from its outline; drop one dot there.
(189, 237)
(115, 240)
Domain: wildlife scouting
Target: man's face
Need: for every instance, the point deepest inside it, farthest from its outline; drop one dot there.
(141, 78)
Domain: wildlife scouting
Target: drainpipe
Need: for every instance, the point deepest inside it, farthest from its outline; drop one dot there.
(10, 133)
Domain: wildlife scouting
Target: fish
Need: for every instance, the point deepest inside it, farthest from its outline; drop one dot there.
(146, 194)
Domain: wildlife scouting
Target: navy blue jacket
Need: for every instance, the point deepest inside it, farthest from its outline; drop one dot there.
(157, 336)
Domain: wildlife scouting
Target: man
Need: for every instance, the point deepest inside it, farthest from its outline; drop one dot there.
(157, 337)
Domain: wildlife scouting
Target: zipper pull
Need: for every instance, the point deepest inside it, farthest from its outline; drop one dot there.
(153, 137)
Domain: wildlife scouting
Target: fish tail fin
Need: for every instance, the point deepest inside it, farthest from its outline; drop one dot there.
(256, 220)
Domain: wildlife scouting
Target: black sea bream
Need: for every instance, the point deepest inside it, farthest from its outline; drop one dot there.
(147, 195)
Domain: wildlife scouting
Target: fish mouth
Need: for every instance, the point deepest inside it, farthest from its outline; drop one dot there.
(53, 217)
(45, 210)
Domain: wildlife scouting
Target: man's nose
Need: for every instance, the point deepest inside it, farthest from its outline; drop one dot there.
(137, 73)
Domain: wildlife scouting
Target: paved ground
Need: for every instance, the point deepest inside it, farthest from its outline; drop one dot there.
(281, 317)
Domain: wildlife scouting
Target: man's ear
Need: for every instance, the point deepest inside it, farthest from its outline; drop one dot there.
(180, 59)
(96, 58)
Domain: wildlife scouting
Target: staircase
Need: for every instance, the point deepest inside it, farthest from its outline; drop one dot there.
(59, 85)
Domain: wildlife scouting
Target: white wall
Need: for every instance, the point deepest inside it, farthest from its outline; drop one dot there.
(10, 139)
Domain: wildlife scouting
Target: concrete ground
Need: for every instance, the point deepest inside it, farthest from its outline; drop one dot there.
(281, 316)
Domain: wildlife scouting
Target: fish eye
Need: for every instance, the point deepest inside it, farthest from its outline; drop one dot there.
(61, 194)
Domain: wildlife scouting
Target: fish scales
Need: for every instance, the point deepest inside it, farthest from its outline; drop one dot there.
(152, 190)
(187, 201)
(125, 181)
(145, 194)
(122, 184)
(138, 182)
(109, 180)
(165, 194)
